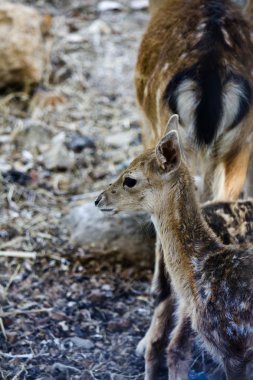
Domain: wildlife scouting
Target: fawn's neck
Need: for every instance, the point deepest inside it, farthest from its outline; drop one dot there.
(184, 234)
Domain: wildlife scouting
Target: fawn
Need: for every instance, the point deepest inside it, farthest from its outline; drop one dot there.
(195, 59)
(212, 282)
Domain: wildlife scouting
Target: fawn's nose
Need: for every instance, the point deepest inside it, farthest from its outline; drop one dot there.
(98, 199)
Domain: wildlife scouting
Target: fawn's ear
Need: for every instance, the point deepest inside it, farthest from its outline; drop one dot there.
(168, 151)
(173, 124)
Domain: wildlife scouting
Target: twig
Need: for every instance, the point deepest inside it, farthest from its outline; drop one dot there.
(10, 356)
(17, 312)
(22, 356)
(12, 204)
(16, 377)
(11, 280)
(22, 254)
(3, 329)
(12, 243)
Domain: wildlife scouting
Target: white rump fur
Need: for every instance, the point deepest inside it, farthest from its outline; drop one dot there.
(188, 98)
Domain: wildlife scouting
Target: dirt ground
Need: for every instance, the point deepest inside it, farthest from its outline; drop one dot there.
(71, 313)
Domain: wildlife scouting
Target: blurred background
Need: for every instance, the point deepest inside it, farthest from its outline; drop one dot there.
(74, 285)
(73, 305)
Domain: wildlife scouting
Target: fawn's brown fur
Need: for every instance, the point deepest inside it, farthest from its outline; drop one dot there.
(195, 59)
(212, 282)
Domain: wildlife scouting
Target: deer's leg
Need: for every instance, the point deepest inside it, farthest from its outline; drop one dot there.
(235, 174)
(155, 340)
(179, 352)
(225, 181)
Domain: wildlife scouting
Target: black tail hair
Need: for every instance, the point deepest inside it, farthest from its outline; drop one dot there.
(209, 109)
(210, 76)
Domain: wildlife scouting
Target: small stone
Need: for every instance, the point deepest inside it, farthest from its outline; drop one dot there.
(139, 4)
(79, 142)
(58, 156)
(100, 27)
(64, 326)
(82, 343)
(76, 38)
(105, 6)
(118, 325)
(27, 156)
(106, 287)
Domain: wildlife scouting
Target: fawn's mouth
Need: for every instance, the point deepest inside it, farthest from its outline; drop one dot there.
(110, 211)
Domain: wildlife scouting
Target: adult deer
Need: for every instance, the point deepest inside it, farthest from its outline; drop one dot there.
(195, 60)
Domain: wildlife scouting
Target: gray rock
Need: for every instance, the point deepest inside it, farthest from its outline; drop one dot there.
(57, 156)
(23, 53)
(128, 234)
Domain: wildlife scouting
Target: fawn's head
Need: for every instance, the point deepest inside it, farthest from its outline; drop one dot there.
(147, 177)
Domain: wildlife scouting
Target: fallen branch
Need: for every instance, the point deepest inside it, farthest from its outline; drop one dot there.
(22, 356)
(10, 356)
(17, 312)
(16, 377)
(20, 254)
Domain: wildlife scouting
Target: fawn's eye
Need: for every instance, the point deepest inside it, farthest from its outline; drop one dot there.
(129, 182)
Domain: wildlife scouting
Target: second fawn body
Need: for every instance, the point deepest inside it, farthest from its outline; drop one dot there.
(213, 283)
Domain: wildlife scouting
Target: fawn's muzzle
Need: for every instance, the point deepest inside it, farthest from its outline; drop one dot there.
(102, 203)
